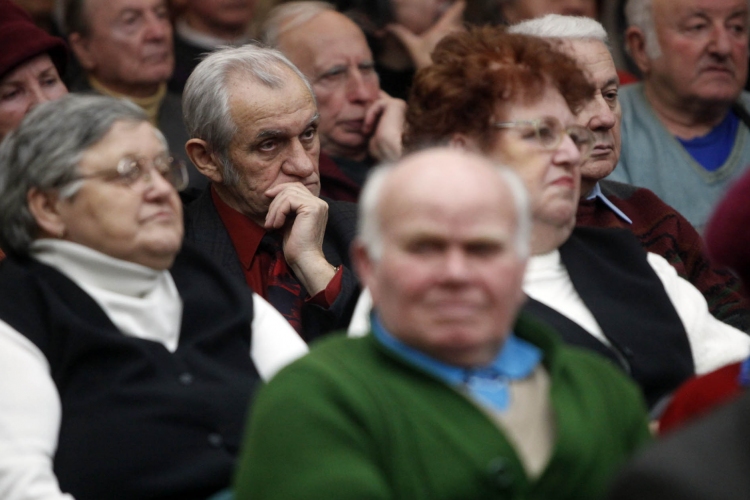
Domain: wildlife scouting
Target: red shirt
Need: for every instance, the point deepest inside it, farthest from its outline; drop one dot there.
(246, 235)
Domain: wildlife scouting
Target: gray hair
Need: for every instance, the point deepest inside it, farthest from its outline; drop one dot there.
(562, 27)
(205, 101)
(44, 153)
(288, 16)
(368, 221)
(640, 13)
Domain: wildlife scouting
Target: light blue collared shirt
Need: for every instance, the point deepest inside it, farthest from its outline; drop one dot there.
(597, 193)
(488, 384)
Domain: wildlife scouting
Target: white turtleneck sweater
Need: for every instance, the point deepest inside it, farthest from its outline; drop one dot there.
(141, 302)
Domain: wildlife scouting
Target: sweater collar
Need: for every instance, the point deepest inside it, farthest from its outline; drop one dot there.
(89, 267)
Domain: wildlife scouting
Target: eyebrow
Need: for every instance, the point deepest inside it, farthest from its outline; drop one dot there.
(265, 134)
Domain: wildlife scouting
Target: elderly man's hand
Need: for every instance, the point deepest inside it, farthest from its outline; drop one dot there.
(421, 46)
(302, 217)
(385, 121)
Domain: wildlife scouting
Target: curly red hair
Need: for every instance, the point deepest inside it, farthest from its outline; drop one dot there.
(474, 71)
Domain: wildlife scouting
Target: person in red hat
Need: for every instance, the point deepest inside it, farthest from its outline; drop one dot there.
(31, 62)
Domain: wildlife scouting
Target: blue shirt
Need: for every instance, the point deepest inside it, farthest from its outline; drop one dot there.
(713, 149)
(597, 193)
(488, 384)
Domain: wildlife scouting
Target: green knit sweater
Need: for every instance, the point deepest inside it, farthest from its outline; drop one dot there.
(352, 420)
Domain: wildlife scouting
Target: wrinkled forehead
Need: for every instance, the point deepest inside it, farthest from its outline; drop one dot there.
(671, 11)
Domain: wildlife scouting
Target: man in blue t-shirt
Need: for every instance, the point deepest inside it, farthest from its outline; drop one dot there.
(683, 131)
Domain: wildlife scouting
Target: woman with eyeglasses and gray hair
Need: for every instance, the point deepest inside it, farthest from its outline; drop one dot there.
(127, 361)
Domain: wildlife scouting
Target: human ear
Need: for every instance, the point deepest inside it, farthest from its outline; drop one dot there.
(204, 160)
(43, 206)
(463, 141)
(82, 50)
(635, 41)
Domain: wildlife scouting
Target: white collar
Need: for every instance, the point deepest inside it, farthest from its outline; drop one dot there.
(90, 267)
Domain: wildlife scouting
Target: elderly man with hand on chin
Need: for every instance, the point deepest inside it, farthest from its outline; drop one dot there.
(359, 123)
(453, 395)
(254, 125)
(606, 203)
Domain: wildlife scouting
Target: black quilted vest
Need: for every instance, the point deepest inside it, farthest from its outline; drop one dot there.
(609, 270)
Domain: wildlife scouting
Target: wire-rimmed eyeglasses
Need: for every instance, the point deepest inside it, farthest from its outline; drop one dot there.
(549, 133)
(131, 170)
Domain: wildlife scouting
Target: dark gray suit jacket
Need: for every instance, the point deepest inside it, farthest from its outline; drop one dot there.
(205, 230)
(707, 460)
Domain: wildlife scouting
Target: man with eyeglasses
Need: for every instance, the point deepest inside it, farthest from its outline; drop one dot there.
(254, 126)
(359, 123)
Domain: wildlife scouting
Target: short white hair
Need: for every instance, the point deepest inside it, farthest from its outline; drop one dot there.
(562, 27)
(369, 227)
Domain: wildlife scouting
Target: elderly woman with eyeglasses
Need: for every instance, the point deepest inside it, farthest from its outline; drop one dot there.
(515, 99)
(126, 361)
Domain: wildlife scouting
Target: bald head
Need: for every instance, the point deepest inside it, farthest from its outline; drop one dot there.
(447, 235)
(333, 54)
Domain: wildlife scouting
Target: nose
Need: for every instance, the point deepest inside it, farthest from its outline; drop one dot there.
(567, 153)
(721, 40)
(157, 27)
(600, 115)
(37, 95)
(456, 267)
(157, 186)
(299, 163)
(359, 87)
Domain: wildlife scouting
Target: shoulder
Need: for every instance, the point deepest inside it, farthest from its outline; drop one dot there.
(342, 220)
(341, 211)
(199, 209)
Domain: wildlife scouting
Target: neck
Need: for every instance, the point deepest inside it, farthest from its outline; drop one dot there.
(547, 237)
(587, 185)
(236, 202)
(688, 119)
(223, 31)
(140, 91)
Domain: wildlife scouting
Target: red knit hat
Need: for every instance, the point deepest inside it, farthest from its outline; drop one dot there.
(21, 40)
(728, 231)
